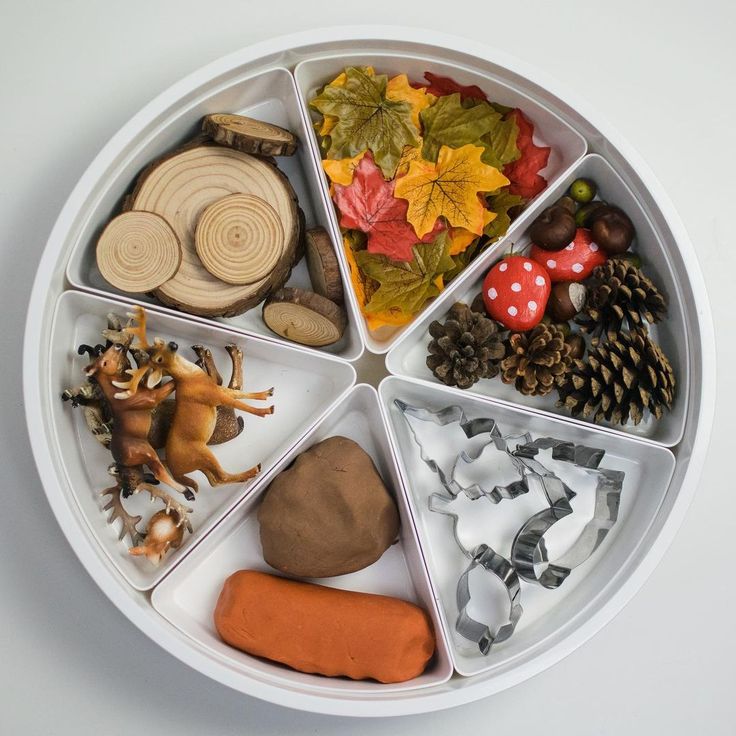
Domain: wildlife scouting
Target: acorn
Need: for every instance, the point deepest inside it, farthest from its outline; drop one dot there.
(612, 229)
(554, 228)
(583, 190)
(566, 299)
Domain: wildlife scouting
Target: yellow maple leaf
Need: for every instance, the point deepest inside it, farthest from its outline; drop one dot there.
(399, 90)
(460, 238)
(341, 170)
(448, 189)
(409, 154)
(330, 121)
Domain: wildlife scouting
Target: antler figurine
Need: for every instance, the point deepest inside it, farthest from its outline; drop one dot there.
(197, 397)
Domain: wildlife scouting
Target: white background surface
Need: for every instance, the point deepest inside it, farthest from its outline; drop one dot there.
(72, 73)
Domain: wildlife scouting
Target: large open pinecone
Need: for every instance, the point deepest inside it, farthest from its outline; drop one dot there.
(618, 292)
(536, 360)
(621, 377)
(465, 348)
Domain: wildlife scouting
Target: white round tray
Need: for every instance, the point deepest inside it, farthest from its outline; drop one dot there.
(272, 79)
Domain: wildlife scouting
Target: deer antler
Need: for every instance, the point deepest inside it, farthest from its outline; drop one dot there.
(115, 334)
(131, 386)
(138, 314)
(172, 504)
(117, 511)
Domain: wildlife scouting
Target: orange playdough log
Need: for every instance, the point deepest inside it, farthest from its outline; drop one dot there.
(323, 630)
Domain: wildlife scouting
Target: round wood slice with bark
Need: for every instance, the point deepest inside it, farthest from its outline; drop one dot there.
(324, 271)
(304, 317)
(138, 252)
(180, 187)
(249, 135)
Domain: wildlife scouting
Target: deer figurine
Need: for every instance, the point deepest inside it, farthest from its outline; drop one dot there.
(198, 396)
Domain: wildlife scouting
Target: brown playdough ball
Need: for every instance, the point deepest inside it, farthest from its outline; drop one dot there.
(328, 514)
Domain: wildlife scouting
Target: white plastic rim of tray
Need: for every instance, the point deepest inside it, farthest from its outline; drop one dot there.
(188, 596)
(690, 452)
(305, 384)
(408, 355)
(547, 613)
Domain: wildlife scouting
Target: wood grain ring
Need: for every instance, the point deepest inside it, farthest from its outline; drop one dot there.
(138, 251)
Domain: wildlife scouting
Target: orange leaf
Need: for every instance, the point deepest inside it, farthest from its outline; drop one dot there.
(460, 238)
(341, 170)
(399, 89)
(449, 189)
(409, 154)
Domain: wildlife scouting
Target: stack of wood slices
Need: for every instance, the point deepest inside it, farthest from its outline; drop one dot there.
(215, 228)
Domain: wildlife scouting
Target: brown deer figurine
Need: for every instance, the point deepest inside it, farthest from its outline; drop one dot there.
(197, 397)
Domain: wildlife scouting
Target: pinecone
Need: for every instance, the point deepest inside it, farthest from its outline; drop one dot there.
(465, 348)
(536, 360)
(620, 292)
(620, 378)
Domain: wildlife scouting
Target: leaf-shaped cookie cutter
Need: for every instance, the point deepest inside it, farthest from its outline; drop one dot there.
(528, 550)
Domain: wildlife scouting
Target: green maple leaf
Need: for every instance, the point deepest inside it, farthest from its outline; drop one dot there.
(406, 285)
(501, 204)
(451, 122)
(366, 119)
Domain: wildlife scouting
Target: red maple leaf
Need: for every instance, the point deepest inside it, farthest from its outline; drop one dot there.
(526, 181)
(368, 204)
(440, 86)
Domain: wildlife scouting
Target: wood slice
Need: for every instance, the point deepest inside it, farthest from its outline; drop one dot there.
(249, 135)
(324, 271)
(138, 252)
(304, 317)
(239, 239)
(180, 187)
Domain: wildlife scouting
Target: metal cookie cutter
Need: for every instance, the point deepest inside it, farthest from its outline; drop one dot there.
(528, 551)
(493, 563)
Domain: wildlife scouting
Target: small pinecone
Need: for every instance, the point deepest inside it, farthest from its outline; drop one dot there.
(465, 348)
(536, 360)
(620, 378)
(620, 292)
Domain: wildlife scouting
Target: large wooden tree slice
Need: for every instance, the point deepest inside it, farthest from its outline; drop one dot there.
(138, 251)
(304, 317)
(180, 187)
(239, 239)
(249, 135)
(324, 271)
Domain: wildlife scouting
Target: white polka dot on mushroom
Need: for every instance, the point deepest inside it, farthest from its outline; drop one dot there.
(516, 286)
(570, 247)
(492, 293)
(527, 266)
(539, 281)
(551, 263)
(577, 267)
(503, 266)
(532, 306)
(593, 247)
(513, 311)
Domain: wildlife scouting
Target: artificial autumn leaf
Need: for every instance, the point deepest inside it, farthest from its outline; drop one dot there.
(524, 173)
(448, 189)
(501, 204)
(369, 205)
(406, 285)
(441, 86)
(367, 119)
(448, 123)
(341, 170)
(501, 143)
(329, 121)
(398, 89)
(461, 260)
(460, 238)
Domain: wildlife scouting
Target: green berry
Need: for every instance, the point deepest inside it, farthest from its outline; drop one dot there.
(583, 190)
(583, 215)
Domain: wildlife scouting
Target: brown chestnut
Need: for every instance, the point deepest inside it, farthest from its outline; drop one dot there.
(553, 229)
(611, 229)
(567, 203)
(565, 300)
